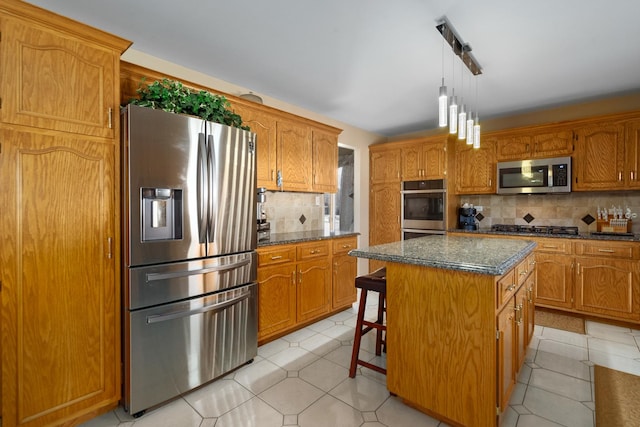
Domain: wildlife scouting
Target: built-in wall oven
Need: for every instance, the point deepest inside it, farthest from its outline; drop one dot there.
(423, 208)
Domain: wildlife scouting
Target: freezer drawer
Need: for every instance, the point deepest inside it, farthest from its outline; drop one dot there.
(176, 347)
(166, 283)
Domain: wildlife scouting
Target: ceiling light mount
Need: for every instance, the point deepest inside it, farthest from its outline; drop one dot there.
(460, 48)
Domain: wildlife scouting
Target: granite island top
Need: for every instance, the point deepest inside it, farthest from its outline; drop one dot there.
(493, 256)
(303, 236)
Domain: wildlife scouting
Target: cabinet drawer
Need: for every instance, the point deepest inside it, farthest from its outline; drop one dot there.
(523, 269)
(276, 255)
(343, 246)
(609, 249)
(506, 287)
(312, 250)
(554, 246)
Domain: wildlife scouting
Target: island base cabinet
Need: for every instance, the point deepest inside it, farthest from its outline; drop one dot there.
(441, 358)
(506, 355)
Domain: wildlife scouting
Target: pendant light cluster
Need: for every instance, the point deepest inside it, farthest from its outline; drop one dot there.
(460, 120)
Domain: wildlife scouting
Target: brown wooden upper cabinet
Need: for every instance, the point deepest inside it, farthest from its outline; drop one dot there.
(34, 55)
(541, 143)
(424, 159)
(476, 167)
(632, 153)
(384, 164)
(599, 157)
(325, 161)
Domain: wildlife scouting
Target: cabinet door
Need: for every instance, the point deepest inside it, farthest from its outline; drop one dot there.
(384, 214)
(609, 287)
(53, 81)
(599, 156)
(506, 356)
(264, 126)
(60, 301)
(530, 286)
(433, 155)
(384, 165)
(325, 162)
(314, 287)
(513, 147)
(276, 299)
(521, 312)
(476, 168)
(412, 165)
(553, 281)
(344, 274)
(552, 143)
(294, 155)
(632, 153)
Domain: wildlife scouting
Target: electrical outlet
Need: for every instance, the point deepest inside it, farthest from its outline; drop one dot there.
(479, 208)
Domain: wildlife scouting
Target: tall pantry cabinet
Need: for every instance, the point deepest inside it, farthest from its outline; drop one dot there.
(59, 223)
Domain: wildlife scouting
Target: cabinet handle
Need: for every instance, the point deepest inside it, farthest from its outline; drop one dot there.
(578, 270)
(346, 246)
(523, 273)
(511, 287)
(109, 242)
(490, 181)
(272, 172)
(550, 246)
(518, 310)
(619, 176)
(631, 175)
(609, 251)
(299, 276)
(110, 116)
(293, 277)
(273, 258)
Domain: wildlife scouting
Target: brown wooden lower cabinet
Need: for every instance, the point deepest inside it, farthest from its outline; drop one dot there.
(300, 283)
(554, 281)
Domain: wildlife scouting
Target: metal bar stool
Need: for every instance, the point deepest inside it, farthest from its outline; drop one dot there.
(377, 282)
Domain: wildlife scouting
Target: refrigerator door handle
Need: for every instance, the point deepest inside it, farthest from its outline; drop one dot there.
(202, 189)
(156, 318)
(212, 188)
(151, 277)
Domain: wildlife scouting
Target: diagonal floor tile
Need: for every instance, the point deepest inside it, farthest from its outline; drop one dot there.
(291, 396)
(253, 413)
(329, 411)
(259, 376)
(324, 374)
(395, 413)
(361, 392)
(556, 408)
(217, 398)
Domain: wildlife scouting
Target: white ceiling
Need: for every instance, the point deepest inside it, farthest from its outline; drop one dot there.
(377, 64)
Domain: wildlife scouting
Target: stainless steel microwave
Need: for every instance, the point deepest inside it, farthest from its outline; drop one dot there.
(535, 176)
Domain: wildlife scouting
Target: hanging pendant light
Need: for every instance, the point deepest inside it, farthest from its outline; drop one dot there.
(476, 133)
(442, 105)
(453, 112)
(462, 121)
(442, 97)
(469, 125)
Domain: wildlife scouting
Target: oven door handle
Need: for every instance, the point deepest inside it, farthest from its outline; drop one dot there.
(156, 318)
(216, 268)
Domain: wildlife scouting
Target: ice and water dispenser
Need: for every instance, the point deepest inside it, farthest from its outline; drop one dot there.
(161, 214)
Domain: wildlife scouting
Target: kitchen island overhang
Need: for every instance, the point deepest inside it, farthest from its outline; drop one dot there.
(453, 307)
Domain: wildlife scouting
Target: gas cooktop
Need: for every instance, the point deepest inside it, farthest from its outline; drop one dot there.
(535, 229)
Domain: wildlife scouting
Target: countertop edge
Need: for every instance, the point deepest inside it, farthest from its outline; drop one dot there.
(580, 236)
(304, 236)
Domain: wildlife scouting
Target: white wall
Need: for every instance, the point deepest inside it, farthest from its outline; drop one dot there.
(351, 137)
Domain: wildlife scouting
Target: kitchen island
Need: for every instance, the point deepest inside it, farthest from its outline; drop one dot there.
(459, 319)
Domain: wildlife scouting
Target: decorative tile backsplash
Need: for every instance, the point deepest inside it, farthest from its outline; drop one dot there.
(552, 209)
(291, 212)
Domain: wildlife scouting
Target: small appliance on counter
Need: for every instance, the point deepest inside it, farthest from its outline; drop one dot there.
(264, 227)
(467, 219)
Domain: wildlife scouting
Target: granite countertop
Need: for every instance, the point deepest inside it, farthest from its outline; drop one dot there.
(303, 236)
(580, 236)
(492, 256)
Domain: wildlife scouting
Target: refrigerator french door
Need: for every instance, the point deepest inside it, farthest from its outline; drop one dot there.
(189, 273)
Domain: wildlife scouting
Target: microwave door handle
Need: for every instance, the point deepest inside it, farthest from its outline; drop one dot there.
(202, 189)
(213, 199)
(151, 277)
(156, 318)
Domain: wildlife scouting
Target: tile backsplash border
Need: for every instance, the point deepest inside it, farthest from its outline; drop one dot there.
(552, 209)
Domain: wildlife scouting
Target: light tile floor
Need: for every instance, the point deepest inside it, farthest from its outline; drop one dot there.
(302, 380)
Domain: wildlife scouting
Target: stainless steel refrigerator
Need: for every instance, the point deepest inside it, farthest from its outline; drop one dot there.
(190, 265)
